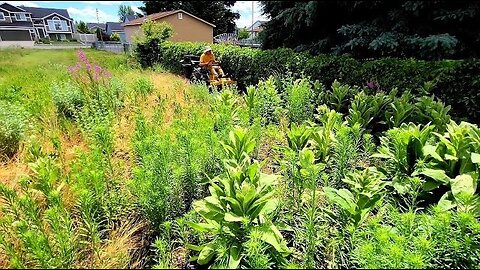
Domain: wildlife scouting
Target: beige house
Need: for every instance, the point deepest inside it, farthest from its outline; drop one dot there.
(186, 27)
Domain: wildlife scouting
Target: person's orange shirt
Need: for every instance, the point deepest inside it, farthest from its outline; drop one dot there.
(205, 58)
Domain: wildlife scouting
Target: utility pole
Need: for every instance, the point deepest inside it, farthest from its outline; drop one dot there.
(98, 22)
(251, 36)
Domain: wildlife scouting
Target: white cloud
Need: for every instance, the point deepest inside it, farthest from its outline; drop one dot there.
(136, 9)
(245, 10)
(23, 3)
(106, 3)
(89, 14)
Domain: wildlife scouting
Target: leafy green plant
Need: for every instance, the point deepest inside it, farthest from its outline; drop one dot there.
(298, 136)
(310, 171)
(435, 112)
(367, 189)
(269, 101)
(147, 42)
(239, 205)
(400, 110)
(299, 100)
(12, 130)
(36, 234)
(144, 86)
(67, 98)
(367, 110)
(403, 149)
(324, 136)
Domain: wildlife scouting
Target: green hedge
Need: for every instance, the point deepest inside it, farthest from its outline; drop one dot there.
(457, 82)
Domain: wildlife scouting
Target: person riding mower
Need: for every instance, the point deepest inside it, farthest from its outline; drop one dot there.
(216, 75)
(208, 61)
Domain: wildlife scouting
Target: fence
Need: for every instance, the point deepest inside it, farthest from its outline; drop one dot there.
(85, 38)
(115, 47)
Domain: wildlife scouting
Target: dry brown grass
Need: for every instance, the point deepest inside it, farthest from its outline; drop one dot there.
(122, 243)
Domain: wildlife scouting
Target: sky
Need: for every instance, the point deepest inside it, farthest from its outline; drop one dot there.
(107, 10)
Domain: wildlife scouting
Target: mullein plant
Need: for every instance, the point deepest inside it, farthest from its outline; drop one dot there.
(237, 213)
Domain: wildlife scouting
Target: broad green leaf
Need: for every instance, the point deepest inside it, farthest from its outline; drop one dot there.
(430, 185)
(206, 254)
(194, 247)
(476, 158)
(231, 217)
(445, 203)
(235, 256)
(269, 207)
(430, 150)
(202, 227)
(342, 197)
(463, 184)
(437, 175)
(270, 236)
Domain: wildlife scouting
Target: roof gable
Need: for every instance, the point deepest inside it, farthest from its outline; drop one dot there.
(159, 15)
(45, 12)
(96, 25)
(8, 7)
(114, 26)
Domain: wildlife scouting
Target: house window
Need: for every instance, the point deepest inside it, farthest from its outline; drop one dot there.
(20, 17)
(180, 16)
(57, 23)
(2, 17)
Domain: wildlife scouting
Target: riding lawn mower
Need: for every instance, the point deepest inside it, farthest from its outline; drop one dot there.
(195, 73)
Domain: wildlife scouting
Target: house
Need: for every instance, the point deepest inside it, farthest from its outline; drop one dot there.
(16, 27)
(51, 23)
(255, 29)
(115, 27)
(129, 18)
(186, 27)
(92, 27)
(23, 25)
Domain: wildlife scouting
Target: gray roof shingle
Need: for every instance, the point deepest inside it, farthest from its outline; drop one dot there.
(97, 25)
(43, 12)
(11, 8)
(115, 26)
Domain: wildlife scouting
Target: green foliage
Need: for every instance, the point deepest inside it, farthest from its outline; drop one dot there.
(268, 101)
(411, 240)
(33, 234)
(298, 100)
(82, 27)
(243, 34)
(144, 86)
(240, 204)
(12, 130)
(68, 98)
(455, 80)
(366, 190)
(422, 29)
(148, 41)
(115, 36)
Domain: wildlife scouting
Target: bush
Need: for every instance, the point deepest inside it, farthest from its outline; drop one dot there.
(457, 81)
(147, 43)
(67, 97)
(13, 124)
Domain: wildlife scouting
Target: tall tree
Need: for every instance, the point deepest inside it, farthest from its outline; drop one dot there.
(82, 27)
(424, 29)
(218, 13)
(123, 11)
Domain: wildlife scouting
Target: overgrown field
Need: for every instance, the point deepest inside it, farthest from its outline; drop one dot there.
(105, 165)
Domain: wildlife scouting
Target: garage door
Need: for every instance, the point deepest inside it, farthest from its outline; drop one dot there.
(15, 35)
